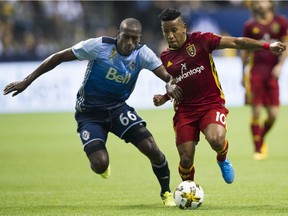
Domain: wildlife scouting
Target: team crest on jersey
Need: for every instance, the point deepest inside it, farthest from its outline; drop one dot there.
(275, 27)
(191, 50)
(132, 65)
(85, 135)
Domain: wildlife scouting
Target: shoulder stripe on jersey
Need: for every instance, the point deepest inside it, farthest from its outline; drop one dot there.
(108, 40)
(216, 78)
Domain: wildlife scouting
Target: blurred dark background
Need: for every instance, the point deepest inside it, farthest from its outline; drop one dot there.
(32, 30)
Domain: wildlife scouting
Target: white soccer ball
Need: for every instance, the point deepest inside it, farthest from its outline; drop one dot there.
(188, 195)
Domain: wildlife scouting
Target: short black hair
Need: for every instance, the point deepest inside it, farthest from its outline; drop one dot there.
(169, 14)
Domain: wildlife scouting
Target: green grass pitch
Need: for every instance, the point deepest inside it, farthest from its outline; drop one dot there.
(44, 170)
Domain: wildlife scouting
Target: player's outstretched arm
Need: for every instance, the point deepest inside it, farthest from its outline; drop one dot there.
(245, 43)
(47, 65)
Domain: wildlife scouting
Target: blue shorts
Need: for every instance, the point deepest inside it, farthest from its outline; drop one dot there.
(96, 125)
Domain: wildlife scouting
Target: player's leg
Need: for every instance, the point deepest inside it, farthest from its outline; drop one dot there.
(272, 112)
(272, 104)
(186, 167)
(215, 134)
(187, 136)
(98, 157)
(256, 127)
(128, 125)
(140, 137)
(213, 126)
(93, 135)
(258, 88)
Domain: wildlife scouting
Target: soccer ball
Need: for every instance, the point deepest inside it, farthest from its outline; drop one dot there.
(188, 195)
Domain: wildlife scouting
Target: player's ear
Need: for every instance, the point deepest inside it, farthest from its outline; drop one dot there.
(184, 27)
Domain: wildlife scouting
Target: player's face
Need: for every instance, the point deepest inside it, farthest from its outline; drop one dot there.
(128, 40)
(174, 32)
(262, 7)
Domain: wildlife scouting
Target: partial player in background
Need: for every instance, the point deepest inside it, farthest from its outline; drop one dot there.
(188, 59)
(261, 71)
(111, 74)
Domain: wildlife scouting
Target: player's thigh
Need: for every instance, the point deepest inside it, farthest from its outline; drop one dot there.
(272, 95)
(258, 89)
(213, 125)
(93, 131)
(186, 127)
(130, 127)
(123, 120)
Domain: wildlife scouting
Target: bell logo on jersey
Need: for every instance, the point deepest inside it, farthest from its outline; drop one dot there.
(112, 74)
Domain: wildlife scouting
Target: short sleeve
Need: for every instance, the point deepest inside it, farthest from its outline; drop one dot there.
(210, 41)
(88, 49)
(149, 60)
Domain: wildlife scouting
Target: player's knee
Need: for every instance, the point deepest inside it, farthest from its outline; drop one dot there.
(98, 156)
(99, 168)
(94, 146)
(99, 165)
(186, 161)
(151, 150)
(216, 140)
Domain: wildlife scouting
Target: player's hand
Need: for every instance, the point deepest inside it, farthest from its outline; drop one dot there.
(159, 100)
(277, 48)
(16, 87)
(174, 91)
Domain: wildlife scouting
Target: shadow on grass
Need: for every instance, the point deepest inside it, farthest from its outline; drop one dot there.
(143, 209)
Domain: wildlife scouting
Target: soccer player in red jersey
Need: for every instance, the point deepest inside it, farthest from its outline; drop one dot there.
(263, 69)
(188, 59)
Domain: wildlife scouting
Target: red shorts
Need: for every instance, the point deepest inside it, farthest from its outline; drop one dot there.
(188, 124)
(265, 92)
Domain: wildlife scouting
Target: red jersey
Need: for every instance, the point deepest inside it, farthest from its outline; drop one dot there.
(276, 30)
(193, 68)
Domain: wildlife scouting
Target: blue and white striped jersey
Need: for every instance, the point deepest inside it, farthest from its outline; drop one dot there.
(110, 78)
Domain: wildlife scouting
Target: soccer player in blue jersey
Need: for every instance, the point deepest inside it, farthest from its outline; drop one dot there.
(111, 74)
